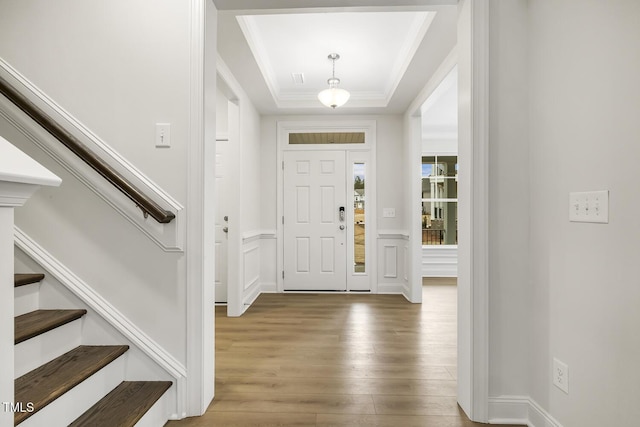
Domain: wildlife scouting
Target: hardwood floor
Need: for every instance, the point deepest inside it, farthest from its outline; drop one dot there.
(338, 360)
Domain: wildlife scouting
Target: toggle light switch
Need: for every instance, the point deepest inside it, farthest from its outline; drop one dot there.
(163, 135)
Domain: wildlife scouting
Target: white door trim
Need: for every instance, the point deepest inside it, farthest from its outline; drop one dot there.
(199, 245)
(472, 56)
(479, 143)
(473, 184)
(232, 90)
(283, 130)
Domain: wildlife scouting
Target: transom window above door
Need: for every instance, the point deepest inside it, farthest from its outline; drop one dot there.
(326, 138)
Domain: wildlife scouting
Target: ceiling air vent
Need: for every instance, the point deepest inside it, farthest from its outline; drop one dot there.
(298, 78)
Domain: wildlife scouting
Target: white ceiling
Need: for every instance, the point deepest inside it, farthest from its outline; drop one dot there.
(284, 44)
(387, 54)
(440, 110)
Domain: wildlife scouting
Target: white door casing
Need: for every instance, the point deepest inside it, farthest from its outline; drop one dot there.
(352, 153)
(314, 229)
(221, 292)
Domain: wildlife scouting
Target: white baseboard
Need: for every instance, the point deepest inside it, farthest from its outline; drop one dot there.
(269, 288)
(406, 291)
(251, 294)
(519, 410)
(109, 313)
(390, 288)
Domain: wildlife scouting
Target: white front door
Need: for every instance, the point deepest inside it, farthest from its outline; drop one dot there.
(221, 221)
(315, 226)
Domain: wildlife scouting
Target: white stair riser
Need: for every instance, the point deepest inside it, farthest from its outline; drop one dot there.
(157, 414)
(39, 350)
(65, 409)
(26, 298)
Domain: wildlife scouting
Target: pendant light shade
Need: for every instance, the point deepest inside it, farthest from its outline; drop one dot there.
(334, 96)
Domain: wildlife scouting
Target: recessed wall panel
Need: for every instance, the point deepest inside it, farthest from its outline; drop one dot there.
(390, 261)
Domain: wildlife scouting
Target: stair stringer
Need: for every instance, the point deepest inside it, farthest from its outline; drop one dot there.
(104, 324)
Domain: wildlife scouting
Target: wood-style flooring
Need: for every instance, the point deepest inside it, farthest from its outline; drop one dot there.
(337, 360)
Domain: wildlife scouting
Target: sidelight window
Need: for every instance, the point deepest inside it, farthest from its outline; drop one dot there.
(358, 217)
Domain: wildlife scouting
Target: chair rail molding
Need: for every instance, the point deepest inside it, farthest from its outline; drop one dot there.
(169, 237)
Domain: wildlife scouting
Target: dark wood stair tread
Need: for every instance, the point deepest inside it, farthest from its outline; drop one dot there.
(124, 405)
(38, 322)
(48, 382)
(26, 279)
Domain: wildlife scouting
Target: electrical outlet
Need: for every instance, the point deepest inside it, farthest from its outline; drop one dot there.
(561, 375)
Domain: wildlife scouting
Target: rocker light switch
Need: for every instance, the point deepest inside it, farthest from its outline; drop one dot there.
(163, 135)
(589, 206)
(388, 213)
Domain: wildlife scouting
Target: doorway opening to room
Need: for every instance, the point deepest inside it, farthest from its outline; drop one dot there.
(471, 367)
(439, 181)
(226, 207)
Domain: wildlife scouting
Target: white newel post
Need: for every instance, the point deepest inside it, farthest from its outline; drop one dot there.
(20, 177)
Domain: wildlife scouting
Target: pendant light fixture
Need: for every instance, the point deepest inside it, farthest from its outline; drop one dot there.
(334, 96)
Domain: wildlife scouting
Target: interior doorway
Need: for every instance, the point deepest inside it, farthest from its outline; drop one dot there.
(226, 213)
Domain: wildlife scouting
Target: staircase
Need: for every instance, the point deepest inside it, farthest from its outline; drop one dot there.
(60, 382)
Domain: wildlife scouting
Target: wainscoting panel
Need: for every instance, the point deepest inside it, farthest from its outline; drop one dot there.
(392, 262)
(250, 271)
(258, 273)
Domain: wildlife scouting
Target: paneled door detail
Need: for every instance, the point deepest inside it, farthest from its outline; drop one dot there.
(315, 226)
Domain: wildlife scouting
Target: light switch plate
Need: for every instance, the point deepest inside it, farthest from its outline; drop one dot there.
(589, 206)
(163, 135)
(388, 212)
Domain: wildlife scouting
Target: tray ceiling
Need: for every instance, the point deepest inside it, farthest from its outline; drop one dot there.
(375, 50)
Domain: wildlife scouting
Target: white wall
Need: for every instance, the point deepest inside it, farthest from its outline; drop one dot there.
(562, 289)
(509, 209)
(119, 68)
(584, 294)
